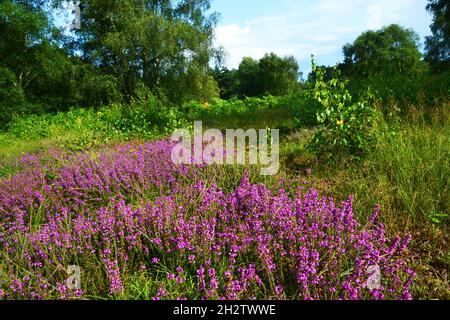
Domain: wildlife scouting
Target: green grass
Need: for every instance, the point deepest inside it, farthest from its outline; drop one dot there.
(413, 167)
(407, 174)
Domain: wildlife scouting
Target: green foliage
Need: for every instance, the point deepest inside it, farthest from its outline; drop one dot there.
(145, 118)
(227, 81)
(23, 32)
(81, 128)
(249, 77)
(195, 110)
(278, 76)
(438, 44)
(402, 92)
(304, 107)
(346, 127)
(91, 88)
(24, 50)
(162, 44)
(327, 71)
(27, 48)
(38, 76)
(391, 50)
(271, 75)
(12, 97)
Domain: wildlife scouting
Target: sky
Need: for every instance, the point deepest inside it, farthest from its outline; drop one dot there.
(304, 27)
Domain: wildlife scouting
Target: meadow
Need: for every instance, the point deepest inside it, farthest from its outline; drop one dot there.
(93, 205)
(96, 188)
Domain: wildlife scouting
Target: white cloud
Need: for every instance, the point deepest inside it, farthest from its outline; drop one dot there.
(319, 28)
(274, 34)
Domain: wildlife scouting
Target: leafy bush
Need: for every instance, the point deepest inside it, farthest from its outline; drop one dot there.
(346, 127)
(80, 128)
(304, 107)
(234, 106)
(421, 90)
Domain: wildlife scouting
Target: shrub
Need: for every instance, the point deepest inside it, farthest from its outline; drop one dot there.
(83, 127)
(304, 108)
(422, 90)
(346, 127)
(233, 107)
(12, 98)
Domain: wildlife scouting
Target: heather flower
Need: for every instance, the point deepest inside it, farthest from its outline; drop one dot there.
(116, 213)
(161, 293)
(180, 269)
(171, 276)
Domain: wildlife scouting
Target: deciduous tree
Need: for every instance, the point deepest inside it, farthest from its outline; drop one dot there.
(438, 44)
(162, 44)
(392, 49)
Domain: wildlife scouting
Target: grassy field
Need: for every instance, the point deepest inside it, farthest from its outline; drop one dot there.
(406, 174)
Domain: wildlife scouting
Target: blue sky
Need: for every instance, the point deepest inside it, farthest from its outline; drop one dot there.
(304, 27)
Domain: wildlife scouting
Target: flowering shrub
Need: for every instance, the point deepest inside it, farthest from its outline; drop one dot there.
(128, 213)
(345, 126)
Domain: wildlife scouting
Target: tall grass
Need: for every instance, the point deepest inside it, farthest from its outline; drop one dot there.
(408, 171)
(408, 175)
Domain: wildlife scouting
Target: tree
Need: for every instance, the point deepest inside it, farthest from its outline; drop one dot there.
(162, 44)
(12, 97)
(31, 61)
(391, 50)
(249, 77)
(270, 75)
(45, 73)
(279, 76)
(25, 35)
(438, 44)
(228, 82)
(326, 71)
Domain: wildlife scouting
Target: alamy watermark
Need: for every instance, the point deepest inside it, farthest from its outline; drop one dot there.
(213, 147)
(374, 280)
(75, 13)
(74, 279)
(374, 17)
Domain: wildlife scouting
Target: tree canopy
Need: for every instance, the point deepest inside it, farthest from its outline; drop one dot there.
(271, 75)
(392, 49)
(279, 76)
(121, 49)
(130, 49)
(162, 44)
(438, 44)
